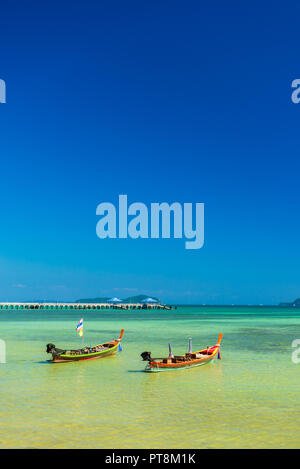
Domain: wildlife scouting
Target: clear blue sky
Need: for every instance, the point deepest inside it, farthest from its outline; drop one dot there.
(163, 101)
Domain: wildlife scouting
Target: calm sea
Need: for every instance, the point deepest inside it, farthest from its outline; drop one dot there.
(248, 399)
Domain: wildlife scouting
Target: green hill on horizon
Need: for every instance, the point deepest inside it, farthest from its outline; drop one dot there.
(293, 303)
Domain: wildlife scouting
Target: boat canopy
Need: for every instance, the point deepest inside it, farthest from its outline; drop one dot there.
(149, 300)
(114, 300)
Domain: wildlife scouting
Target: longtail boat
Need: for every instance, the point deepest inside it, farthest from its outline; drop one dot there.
(85, 353)
(189, 360)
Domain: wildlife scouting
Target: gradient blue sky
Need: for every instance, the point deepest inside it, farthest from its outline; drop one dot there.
(163, 101)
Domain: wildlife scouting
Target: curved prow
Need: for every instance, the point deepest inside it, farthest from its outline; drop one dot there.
(121, 335)
(219, 339)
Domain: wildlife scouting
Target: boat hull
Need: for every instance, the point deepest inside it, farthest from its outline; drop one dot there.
(79, 358)
(182, 362)
(153, 367)
(107, 349)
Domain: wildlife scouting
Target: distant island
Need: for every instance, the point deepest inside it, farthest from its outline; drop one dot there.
(130, 299)
(294, 303)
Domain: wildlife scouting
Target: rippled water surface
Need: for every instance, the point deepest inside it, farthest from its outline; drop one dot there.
(248, 399)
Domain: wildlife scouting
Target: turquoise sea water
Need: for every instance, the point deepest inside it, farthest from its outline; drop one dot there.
(248, 399)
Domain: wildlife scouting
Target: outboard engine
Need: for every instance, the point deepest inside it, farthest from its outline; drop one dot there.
(146, 356)
(52, 349)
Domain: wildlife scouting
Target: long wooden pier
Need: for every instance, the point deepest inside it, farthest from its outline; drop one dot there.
(33, 305)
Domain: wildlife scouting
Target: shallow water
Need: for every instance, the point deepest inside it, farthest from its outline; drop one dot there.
(248, 399)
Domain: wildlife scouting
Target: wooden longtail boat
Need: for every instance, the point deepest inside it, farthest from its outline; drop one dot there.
(189, 360)
(85, 353)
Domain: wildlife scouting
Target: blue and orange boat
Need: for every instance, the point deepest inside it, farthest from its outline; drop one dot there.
(179, 362)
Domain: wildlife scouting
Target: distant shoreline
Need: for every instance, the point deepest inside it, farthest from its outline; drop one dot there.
(159, 306)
